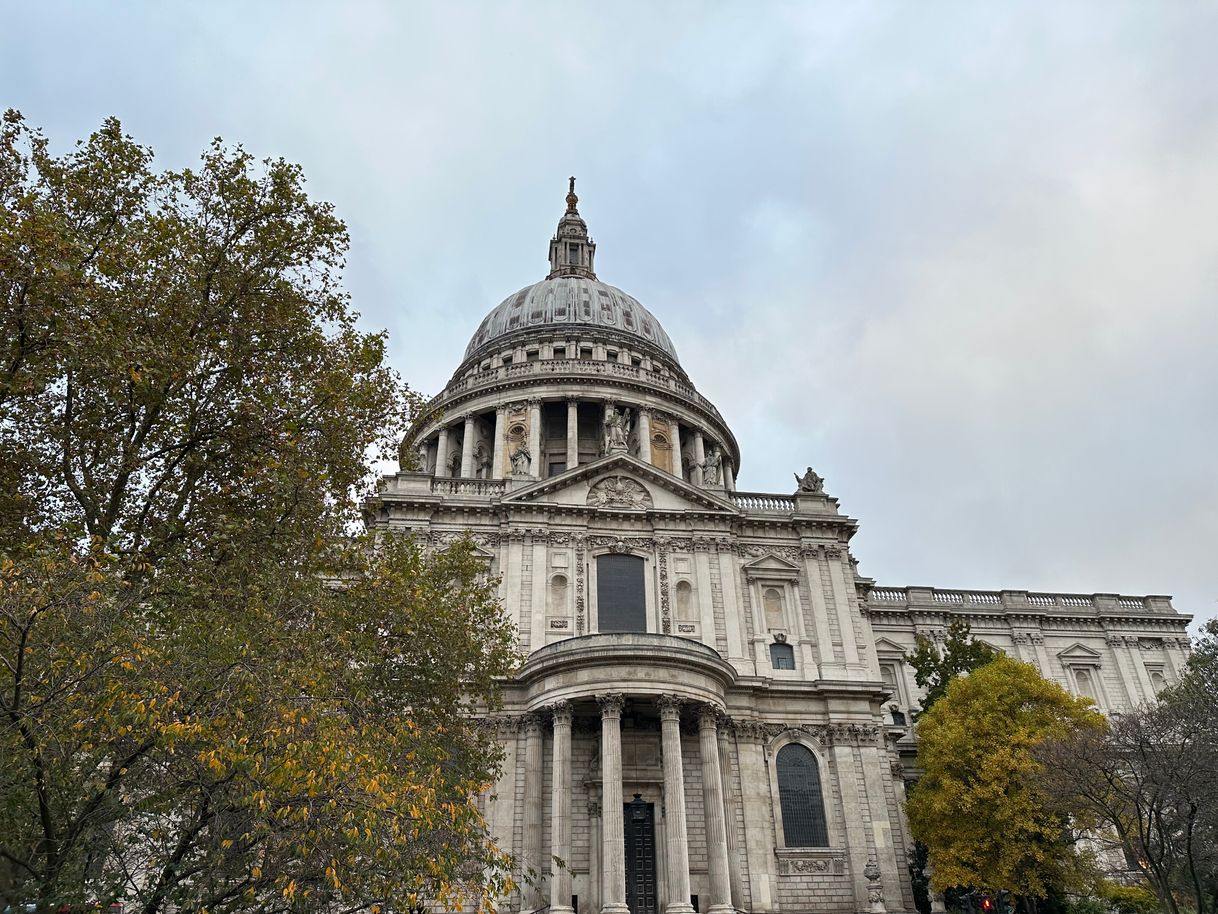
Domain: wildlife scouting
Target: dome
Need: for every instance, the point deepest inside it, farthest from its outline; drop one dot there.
(570, 302)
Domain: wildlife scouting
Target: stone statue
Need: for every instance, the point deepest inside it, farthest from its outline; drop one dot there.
(454, 465)
(420, 454)
(521, 461)
(616, 430)
(482, 460)
(809, 482)
(712, 468)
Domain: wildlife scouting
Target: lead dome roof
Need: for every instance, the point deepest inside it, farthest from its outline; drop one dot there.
(570, 298)
(572, 302)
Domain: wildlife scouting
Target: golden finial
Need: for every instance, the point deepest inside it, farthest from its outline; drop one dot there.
(571, 198)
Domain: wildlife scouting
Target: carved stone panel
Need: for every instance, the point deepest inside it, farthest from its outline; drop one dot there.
(619, 492)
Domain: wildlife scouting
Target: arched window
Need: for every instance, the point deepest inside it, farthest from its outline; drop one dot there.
(772, 600)
(799, 795)
(621, 602)
(685, 602)
(558, 594)
(782, 656)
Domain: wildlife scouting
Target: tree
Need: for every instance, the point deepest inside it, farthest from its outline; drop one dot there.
(215, 695)
(979, 807)
(1150, 783)
(934, 670)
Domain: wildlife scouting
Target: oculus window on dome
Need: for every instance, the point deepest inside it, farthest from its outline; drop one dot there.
(621, 598)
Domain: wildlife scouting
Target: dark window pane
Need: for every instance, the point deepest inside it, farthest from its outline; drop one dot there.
(620, 597)
(799, 794)
(782, 656)
(558, 467)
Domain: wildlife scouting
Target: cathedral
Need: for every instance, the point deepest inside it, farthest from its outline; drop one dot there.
(714, 710)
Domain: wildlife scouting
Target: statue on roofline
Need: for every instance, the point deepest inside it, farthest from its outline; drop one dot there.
(811, 481)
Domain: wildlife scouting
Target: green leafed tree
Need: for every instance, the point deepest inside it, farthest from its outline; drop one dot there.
(935, 668)
(980, 808)
(215, 695)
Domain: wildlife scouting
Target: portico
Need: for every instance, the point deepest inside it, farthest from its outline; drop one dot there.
(677, 684)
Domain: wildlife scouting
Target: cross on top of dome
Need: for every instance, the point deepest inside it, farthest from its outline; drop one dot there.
(571, 250)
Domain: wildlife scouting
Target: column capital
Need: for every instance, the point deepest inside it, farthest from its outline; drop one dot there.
(532, 723)
(534, 402)
(468, 417)
(561, 711)
(611, 704)
(574, 399)
(670, 707)
(644, 410)
(709, 717)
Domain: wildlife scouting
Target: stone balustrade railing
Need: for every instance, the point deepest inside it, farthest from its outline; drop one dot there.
(446, 485)
(1013, 600)
(760, 501)
(578, 368)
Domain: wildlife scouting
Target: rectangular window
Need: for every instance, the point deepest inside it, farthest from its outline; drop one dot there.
(557, 467)
(621, 601)
(782, 656)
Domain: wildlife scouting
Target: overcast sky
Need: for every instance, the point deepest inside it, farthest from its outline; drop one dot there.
(960, 258)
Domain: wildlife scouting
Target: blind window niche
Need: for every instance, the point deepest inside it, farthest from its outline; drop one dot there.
(621, 601)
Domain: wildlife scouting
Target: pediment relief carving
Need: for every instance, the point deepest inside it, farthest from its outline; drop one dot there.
(619, 492)
(619, 481)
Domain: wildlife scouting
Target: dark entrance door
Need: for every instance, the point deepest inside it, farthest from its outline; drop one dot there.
(641, 857)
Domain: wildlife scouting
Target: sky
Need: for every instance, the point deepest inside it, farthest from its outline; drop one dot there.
(961, 258)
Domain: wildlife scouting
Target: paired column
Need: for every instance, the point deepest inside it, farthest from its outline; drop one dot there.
(677, 834)
(467, 448)
(644, 434)
(560, 812)
(613, 834)
(533, 781)
(699, 458)
(497, 454)
(712, 800)
(535, 439)
(442, 452)
(572, 433)
(729, 474)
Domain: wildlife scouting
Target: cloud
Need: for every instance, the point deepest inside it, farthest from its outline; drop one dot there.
(962, 258)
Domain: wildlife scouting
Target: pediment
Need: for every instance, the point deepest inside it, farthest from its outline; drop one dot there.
(1079, 652)
(619, 482)
(885, 646)
(771, 566)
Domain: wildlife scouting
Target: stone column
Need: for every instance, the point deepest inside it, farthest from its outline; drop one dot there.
(716, 827)
(731, 812)
(613, 834)
(678, 467)
(533, 781)
(644, 434)
(676, 833)
(560, 812)
(442, 452)
(497, 457)
(467, 448)
(572, 433)
(729, 474)
(535, 439)
(699, 458)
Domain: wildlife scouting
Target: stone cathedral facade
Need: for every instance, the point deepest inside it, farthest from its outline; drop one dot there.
(713, 711)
